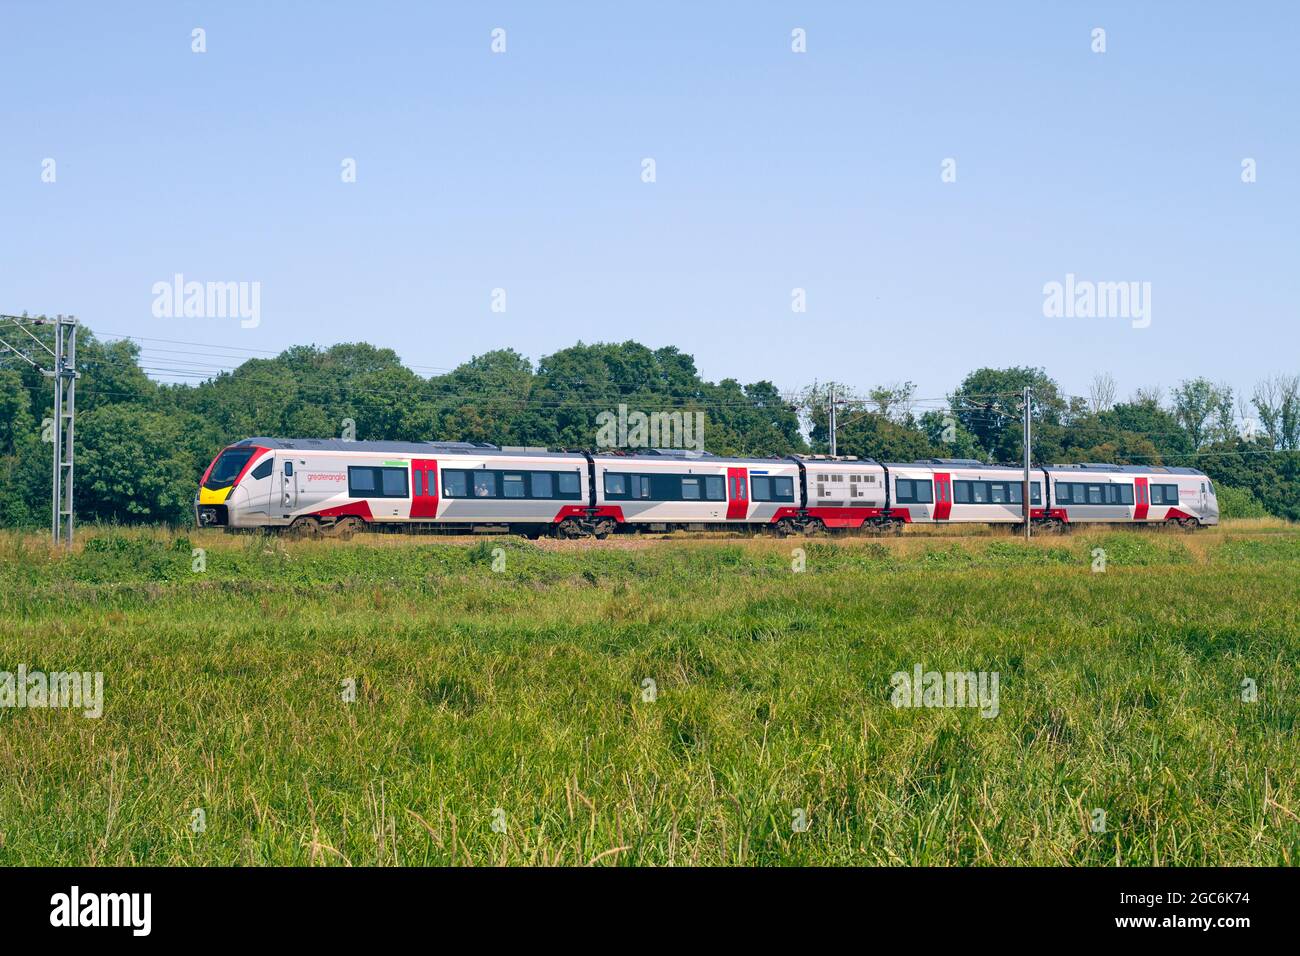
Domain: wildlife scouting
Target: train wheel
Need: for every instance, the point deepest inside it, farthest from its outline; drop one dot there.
(569, 528)
(815, 526)
(306, 527)
(786, 527)
(345, 528)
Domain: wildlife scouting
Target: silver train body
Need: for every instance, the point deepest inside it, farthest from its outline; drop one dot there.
(334, 485)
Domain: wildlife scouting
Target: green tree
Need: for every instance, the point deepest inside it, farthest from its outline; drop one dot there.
(133, 465)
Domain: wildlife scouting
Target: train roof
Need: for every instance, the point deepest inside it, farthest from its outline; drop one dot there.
(1089, 466)
(399, 447)
(1129, 469)
(954, 463)
(683, 454)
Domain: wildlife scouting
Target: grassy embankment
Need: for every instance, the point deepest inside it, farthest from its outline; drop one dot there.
(521, 689)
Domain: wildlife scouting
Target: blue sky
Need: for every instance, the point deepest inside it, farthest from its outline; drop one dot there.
(775, 171)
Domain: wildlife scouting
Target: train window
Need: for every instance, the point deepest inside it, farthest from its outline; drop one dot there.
(961, 492)
(1164, 494)
(366, 482)
(715, 488)
(640, 486)
(914, 491)
(774, 488)
(264, 469)
(980, 492)
(690, 489)
(568, 484)
(1015, 493)
(393, 482)
(288, 468)
(485, 484)
(455, 484)
(361, 482)
(227, 467)
(997, 492)
(615, 484)
(512, 485)
(543, 484)
(1125, 494)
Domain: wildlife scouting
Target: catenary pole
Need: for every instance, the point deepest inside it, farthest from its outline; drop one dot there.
(1025, 495)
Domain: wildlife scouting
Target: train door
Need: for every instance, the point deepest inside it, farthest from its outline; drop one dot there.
(288, 486)
(1141, 499)
(1205, 507)
(424, 488)
(737, 494)
(942, 497)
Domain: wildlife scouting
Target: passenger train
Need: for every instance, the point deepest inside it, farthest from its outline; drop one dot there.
(314, 486)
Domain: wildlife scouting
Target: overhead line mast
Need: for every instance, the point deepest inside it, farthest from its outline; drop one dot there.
(65, 375)
(1025, 495)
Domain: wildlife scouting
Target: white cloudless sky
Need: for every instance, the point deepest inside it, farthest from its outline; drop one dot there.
(775, 170)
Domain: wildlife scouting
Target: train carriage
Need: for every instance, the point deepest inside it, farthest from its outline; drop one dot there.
(669, 489)
(962, 490)
(844, 494)
(310, 484)
(1132, 494)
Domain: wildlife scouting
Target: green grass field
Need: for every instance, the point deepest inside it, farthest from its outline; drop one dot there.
(515, 697)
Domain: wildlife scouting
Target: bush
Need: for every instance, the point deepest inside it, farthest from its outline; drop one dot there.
(1239, 503)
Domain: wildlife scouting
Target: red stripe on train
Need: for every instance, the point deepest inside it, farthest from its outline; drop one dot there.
(1143, 500)
(832, 517)
(584, 511)
(357, 509)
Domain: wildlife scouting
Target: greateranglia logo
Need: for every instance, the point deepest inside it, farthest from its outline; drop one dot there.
(103, 909)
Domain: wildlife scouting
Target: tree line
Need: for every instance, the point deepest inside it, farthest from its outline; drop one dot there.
(142, 445)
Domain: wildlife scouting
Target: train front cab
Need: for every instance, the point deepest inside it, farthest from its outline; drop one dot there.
(222, 491)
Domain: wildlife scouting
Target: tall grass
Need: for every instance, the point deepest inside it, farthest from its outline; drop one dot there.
(521, 690)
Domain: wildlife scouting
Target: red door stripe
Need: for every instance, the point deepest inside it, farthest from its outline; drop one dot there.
(737, 494)
(424, 488)
(942, 497)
